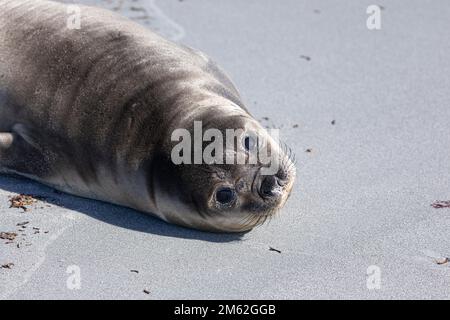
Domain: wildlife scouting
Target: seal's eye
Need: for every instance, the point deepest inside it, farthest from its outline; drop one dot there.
(249, 143)
(225, 196)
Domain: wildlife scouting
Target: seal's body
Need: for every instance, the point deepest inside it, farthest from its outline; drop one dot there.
(91, 111)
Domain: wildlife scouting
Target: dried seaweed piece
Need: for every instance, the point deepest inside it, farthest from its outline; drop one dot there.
(8, 235)
(441, 204)
(21, 201)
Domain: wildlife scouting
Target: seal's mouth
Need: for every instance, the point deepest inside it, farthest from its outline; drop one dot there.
(270, 193)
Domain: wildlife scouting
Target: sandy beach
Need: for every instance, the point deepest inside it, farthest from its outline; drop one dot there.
(366, 113)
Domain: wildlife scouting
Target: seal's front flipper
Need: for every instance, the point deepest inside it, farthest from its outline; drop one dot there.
(13, 139)
(29, 136)
(21, 152)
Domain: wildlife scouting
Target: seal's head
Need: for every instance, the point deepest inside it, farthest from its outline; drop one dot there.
(234, 187)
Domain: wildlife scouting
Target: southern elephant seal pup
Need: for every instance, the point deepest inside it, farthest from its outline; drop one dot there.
(93, 111)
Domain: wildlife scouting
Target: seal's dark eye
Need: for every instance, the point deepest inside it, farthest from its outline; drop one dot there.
(249, 143)
(225, 195)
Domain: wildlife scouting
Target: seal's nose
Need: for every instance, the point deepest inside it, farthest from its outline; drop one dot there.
(270, 187)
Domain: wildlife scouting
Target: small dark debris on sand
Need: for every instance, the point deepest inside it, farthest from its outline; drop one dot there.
(305, 57)
(134, 271)
(333, 122)
(441, 204)
(146, 291)
(295, 126)
(20, 245)
(7, 265)
(23, 224)
(21, 201)
(273, 249)
(8, 235)
(265, 118)
(308, 150)
(317, 11)
(138, 9)
(442, 261)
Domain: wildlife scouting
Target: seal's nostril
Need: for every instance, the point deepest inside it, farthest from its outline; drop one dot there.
(269, 186)
(282, 174)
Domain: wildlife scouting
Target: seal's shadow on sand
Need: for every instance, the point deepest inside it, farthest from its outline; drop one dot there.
(109, 213)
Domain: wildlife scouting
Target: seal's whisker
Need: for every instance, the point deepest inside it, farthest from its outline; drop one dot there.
(289, 158)
(246, 219)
